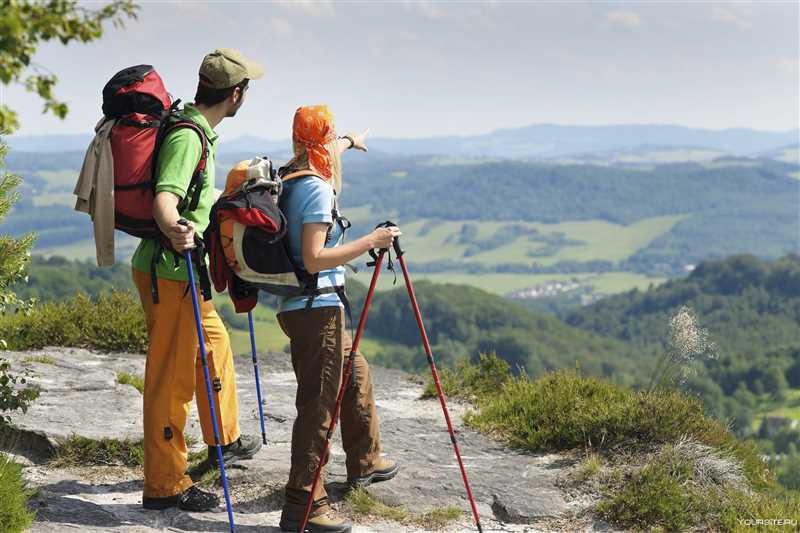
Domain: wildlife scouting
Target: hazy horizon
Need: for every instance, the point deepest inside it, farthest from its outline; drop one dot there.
(411, 70)
(245, 135)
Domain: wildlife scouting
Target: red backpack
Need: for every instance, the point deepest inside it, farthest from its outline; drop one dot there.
(144, 112)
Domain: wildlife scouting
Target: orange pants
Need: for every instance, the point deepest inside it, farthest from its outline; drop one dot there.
(173, 375)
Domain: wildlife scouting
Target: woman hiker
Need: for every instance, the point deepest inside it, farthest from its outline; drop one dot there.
(316, 325)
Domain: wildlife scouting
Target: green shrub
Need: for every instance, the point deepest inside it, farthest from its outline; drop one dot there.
(701, 475)
(14, 513)
(12, 395)
(471, 381)
(14, 254)
(83, 451)
(660, 494)
(741, 511)
(113, 322)
(565, 410)
(675, 492)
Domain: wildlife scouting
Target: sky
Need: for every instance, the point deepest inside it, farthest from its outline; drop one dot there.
(425, 68)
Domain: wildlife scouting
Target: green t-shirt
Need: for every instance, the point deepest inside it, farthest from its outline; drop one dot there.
(177, 161)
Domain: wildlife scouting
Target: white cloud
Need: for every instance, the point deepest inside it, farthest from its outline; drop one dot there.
(279, 26)
(738, 15)
(623, 19)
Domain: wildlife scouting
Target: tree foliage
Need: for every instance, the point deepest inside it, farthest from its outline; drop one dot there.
(14, 255)
(463, 321)
(25, 25)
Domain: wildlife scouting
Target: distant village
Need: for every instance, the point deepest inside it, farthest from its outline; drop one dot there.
(550, 288)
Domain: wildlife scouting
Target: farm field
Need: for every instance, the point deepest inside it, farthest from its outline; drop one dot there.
(790, 408)
(438, 240)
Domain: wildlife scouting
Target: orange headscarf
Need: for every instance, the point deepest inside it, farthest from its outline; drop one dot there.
(313, 140)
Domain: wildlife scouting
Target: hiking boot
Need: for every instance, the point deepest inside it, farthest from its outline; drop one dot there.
(245, 447)
(326, 522)
(192, 499)
(385, 469)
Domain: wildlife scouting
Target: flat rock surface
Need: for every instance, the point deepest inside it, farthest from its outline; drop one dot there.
(514, 491)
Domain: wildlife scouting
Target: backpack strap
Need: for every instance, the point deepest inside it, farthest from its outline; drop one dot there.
(342, 222)
(196, 184)
(198, 177)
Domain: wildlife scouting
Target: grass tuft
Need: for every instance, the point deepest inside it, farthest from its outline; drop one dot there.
(658, 495)
(472, 381)
(83, 451)
(43, 359)
(438, 518)
(361, 503)
(209, 478)
(590, 467)
(137, 382)
(14, 513)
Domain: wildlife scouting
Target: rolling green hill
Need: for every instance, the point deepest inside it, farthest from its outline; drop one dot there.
(463, 321)
(508, 225)
(751, 309)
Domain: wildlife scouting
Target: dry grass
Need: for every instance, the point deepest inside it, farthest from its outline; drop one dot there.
(83, 451)
(361, 503)
(43, 359)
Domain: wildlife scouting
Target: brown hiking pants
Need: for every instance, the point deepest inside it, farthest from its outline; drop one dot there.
(173, 375)
(319, 345)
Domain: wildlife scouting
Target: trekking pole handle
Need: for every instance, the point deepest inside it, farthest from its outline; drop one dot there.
(396, 242)
(183, 222)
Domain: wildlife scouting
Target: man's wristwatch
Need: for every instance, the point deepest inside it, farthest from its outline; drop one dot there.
(349, 138)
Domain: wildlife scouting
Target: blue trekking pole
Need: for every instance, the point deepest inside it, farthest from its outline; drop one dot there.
(258, 380)
(221, 461)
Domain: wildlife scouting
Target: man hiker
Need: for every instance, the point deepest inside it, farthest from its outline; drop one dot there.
(173, 372)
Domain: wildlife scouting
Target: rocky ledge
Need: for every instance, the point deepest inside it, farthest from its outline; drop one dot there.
(80, 396)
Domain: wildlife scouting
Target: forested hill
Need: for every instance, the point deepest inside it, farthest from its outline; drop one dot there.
(463, 321)
(520, 190)
(751, 309)
(746, 303)
(729, 206)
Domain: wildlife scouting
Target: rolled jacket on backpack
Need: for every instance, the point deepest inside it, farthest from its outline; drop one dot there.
(95, 191)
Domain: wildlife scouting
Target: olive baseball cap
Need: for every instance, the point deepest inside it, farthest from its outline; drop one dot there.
(226, 67)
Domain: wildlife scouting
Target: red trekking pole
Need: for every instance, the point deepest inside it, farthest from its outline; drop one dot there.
(410, 287)
(348, 368)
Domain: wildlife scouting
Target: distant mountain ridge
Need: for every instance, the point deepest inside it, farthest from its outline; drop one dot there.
(538, 141)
